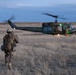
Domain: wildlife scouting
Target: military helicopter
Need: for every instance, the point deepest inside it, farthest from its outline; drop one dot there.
(57, 27)
(47, 28)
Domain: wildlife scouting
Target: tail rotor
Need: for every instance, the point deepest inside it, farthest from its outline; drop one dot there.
(8, 20)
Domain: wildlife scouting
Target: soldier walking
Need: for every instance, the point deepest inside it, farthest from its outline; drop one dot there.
(9, 42)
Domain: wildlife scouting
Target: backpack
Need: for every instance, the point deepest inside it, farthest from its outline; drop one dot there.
(8, 43)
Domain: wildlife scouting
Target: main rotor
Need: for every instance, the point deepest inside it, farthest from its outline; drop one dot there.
(54, 16)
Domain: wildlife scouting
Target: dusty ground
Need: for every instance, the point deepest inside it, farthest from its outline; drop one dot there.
(40, 54)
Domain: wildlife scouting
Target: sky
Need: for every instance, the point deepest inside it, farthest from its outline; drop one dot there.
(32, 9)
(33, 3)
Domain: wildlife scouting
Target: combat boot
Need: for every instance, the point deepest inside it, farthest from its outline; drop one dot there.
(6, 64)
(10, 66)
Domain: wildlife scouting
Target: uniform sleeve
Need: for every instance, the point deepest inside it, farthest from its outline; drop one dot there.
(16, 40)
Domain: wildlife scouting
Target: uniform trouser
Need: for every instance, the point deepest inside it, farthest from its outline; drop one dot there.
(8, 57)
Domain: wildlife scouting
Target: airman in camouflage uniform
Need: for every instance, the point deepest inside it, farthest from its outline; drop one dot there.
(9, 42)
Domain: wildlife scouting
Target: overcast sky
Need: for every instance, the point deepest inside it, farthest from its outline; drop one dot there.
(33, 3)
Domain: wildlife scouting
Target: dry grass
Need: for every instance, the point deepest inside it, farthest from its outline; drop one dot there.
(41, 55)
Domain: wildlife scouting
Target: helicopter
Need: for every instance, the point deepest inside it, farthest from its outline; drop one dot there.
(47, 28)
(57, 27)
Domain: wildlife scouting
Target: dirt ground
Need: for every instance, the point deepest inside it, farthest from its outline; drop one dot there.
(40, 54)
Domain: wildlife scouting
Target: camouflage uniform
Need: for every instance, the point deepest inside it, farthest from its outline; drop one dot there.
(9, 42)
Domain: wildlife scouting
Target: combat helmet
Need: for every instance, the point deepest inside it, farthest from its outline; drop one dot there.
(9, 30)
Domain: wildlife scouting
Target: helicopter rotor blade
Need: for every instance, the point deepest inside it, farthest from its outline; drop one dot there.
(62, 18)
(5, 22)
(12, 17)
(55, 16)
